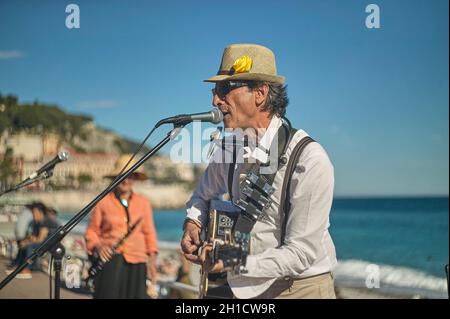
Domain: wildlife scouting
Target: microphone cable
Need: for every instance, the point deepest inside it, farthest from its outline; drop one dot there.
(113, 180)
(123, 168)
(134, 154)
(138, 150)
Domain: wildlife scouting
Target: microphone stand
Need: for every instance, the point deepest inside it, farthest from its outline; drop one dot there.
(29, 181)
(53, 242)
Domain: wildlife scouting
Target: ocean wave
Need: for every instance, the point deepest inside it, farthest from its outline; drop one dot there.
(359, 273)
(355, 273)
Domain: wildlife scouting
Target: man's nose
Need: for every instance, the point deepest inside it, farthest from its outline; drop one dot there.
(217, 101)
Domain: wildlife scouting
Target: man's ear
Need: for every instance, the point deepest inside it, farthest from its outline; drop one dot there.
(261, 95)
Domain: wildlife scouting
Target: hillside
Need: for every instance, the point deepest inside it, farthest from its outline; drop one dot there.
(75, 130)
(78, 134)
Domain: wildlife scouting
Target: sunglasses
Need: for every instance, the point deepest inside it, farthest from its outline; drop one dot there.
(223, 88)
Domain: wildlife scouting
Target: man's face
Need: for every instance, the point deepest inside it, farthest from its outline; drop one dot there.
(126, 186)
(38, 215)
(237, 103)
(51, 215)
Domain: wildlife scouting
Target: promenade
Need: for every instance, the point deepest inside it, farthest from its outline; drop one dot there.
(36, 288)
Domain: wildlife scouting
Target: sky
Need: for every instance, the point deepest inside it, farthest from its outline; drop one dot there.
(376, 99)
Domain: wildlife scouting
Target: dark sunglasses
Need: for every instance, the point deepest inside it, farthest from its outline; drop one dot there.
(223, 88)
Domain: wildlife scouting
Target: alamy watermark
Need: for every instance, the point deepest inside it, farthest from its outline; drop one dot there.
(373, 19)
(72, 275)
(237, 146)
(73, 19)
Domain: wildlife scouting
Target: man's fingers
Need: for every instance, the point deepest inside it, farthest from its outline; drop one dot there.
(192, 258)
(190, 249)
(193, 232)
(205, 250)
(185, 242)
(217, 267)
(195, 237)
(187, 246)
(190, 242)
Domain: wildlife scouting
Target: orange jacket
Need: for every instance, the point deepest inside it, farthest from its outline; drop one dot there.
(108, 224)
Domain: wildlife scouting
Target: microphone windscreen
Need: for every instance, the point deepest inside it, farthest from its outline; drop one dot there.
(217, 116)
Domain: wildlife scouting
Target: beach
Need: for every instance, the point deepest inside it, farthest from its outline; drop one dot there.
(386, 248)
(169, 262)
(38, 288)
(160, 196)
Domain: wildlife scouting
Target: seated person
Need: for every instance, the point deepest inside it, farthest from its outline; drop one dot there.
(52, 216)
(41, 228)
(22, 228)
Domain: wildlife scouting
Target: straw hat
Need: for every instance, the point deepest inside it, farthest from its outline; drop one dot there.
(138, 174)
(247, 62)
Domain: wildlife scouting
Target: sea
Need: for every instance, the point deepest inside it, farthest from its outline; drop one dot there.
(394, 245)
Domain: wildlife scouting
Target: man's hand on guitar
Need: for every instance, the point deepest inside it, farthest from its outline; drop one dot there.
(209, 266)
(191, 241)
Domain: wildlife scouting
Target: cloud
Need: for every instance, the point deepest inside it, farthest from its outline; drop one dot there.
(98, 104)
(14, 54)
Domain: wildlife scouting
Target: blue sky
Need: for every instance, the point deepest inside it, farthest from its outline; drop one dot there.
(376, 99)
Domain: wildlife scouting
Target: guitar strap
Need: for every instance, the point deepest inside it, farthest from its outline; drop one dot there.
(256, 189)
(283, 141)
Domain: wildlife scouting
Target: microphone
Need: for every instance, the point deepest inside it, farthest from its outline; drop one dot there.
(61, 157)
(214, 116)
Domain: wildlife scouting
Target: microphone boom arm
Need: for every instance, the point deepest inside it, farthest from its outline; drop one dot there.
(55, 238)
(214, 116)
(29, 181)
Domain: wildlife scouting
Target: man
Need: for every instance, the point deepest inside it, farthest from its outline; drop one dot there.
(23, 225)
(297, 262)
(41, 228)
(52, 215)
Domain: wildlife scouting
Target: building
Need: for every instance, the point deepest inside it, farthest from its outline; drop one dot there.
(91, 167)
(25, 146)
(85, 170)
(31, 152)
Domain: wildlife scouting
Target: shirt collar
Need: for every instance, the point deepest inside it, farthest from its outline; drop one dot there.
(260, 153)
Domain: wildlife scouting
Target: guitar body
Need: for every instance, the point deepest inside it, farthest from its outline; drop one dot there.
(222, 218)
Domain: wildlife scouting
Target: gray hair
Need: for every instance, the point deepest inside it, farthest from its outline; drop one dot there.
(277, 99)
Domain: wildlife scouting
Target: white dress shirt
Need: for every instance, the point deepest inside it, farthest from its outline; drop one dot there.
(308, 249)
